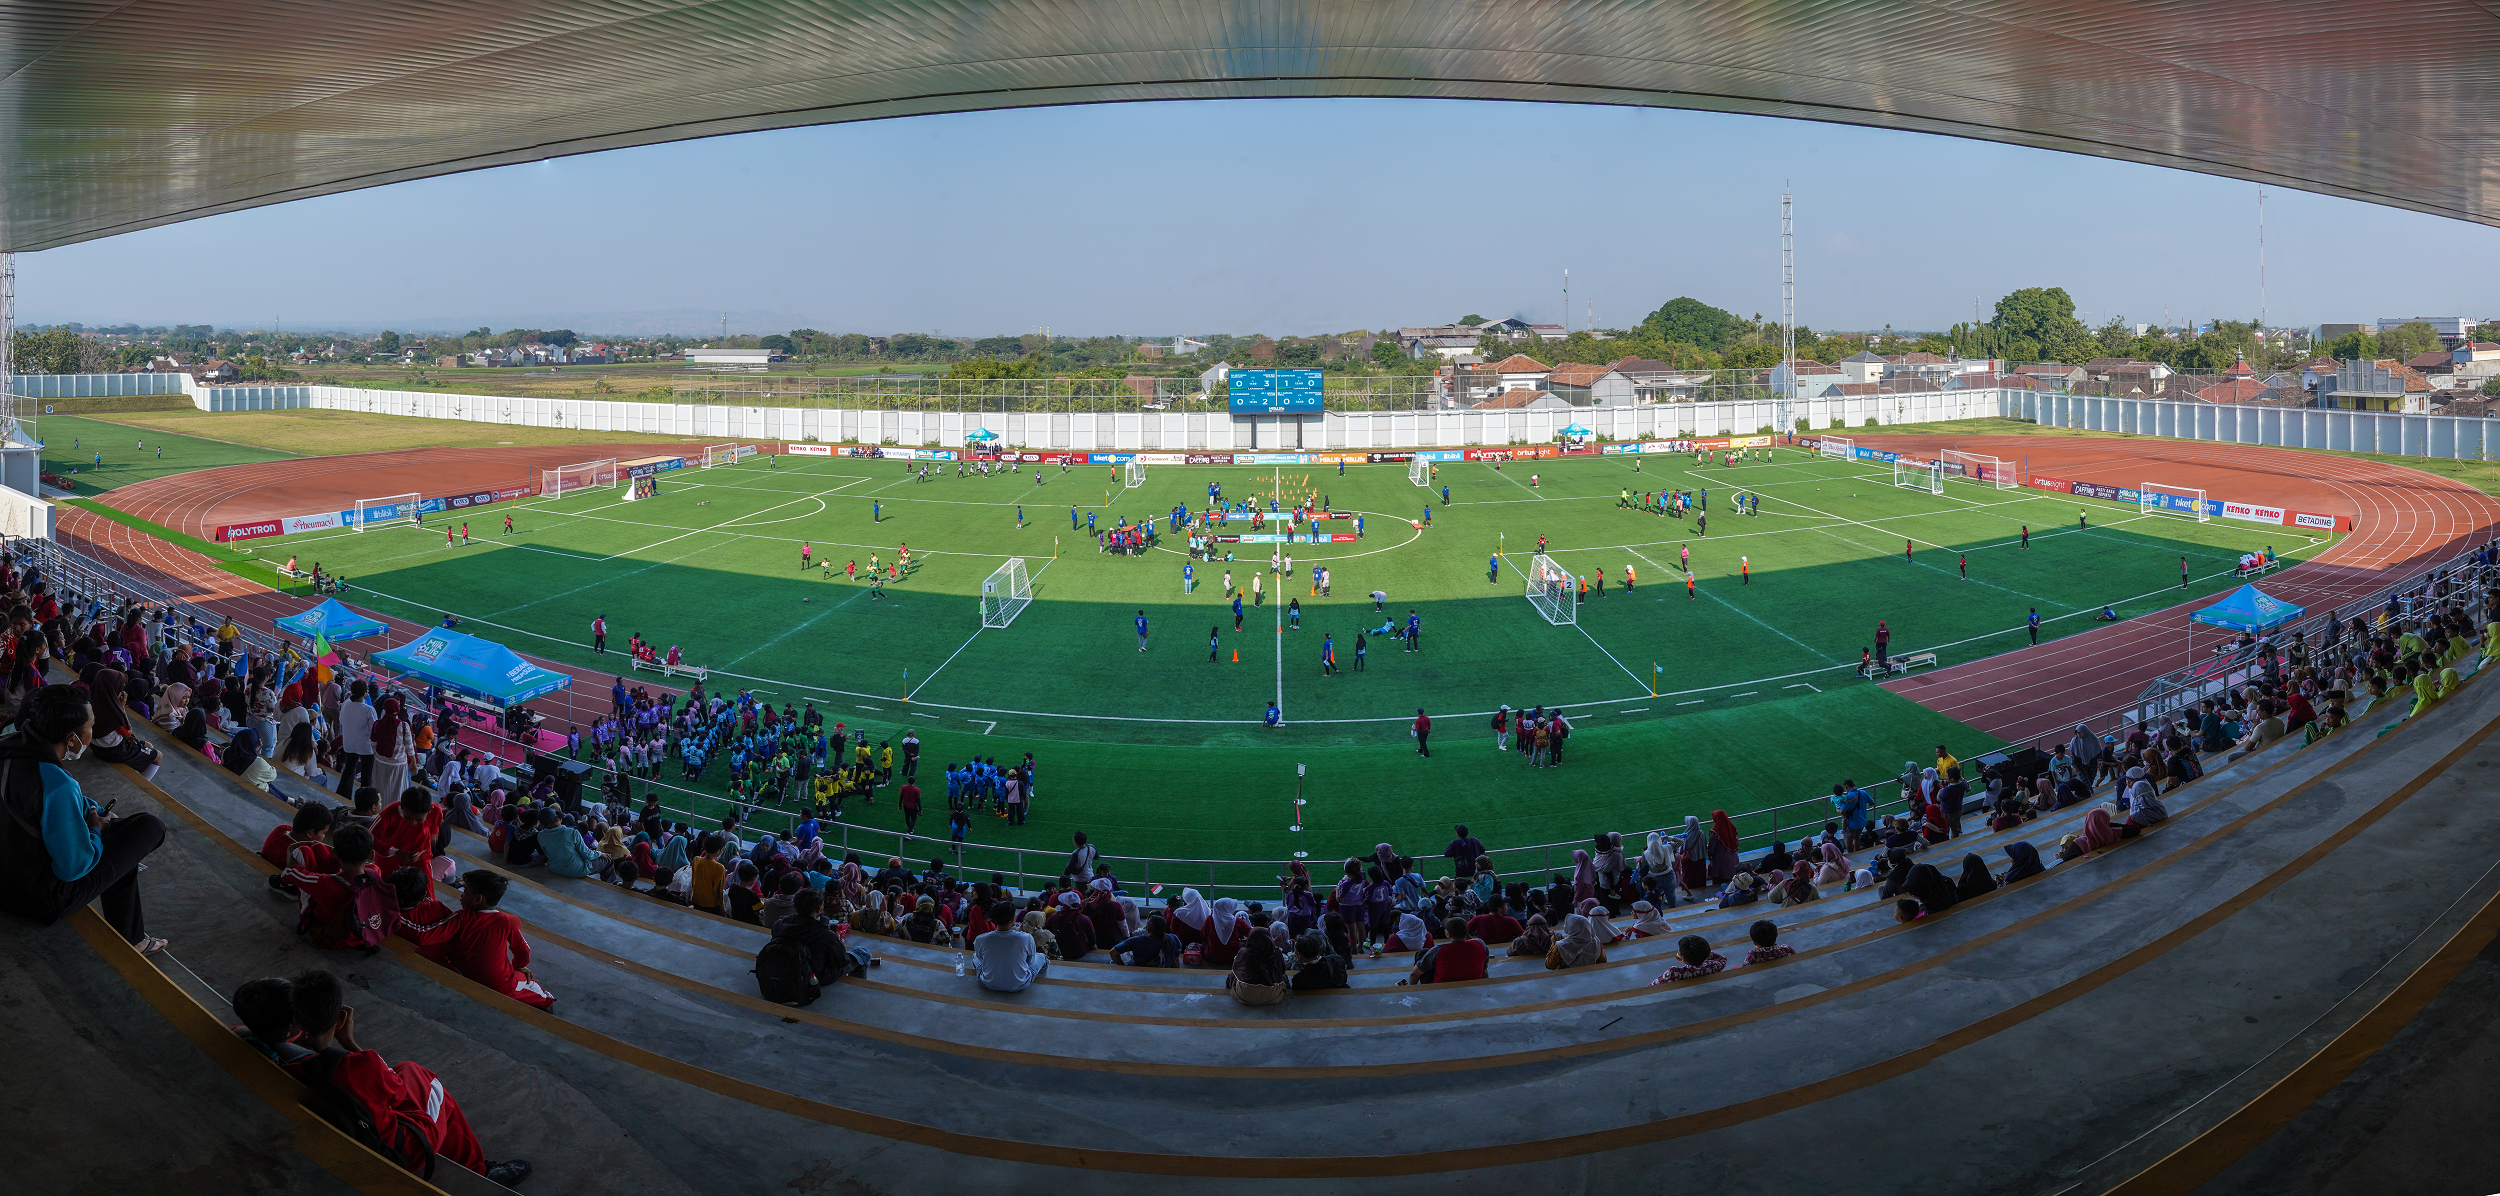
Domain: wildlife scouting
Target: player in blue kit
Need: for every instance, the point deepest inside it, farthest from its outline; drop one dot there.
(1141, 631)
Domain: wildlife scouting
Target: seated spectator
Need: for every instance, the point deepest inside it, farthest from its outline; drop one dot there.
(1073, 931)
(326, 903)
(302, 845)
(1935, 894)
(415, 1119)
(1320, 967)
(478, 940)
(1907, 909)
(79, 854)
(2098, 834)
(1463, 957)
(1697, 960)
(1975, 880)
(779, 904)
(1796, 890)
(1257, 975)
(1766, 943)
(2144, 809)
(1646, 922)
(1411, 935)
(1495, 925)
(243, 758)
(267, 1008)
(2026, 863)
(1535, 939)
(2268, 729)
(565, 851)
(1225, 928)
(1576, 945)
(873, 918)
(828, 958)
(707, 877)
(1155, 947)
(1742, 889)
(1008, 960)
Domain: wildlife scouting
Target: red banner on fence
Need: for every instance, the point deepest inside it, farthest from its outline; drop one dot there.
(249, 531)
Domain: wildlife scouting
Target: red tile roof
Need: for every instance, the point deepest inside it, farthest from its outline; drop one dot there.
(1521, 363)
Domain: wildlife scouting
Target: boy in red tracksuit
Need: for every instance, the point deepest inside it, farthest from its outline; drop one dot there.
(411, 1112)
(300, 850)
(322, 896)
(478, 941)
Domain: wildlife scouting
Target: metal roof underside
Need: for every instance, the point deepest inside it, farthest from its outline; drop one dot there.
(123, 115)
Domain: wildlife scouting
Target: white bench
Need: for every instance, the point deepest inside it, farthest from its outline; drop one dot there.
(696, 671)
(1903, 664)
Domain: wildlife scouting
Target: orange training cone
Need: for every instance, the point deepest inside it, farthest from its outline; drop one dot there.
(1236, 656)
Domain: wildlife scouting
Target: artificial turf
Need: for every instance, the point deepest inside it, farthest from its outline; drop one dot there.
(130, 454)
(1162, 753)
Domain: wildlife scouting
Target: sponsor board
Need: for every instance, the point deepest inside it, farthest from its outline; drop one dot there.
(2324, 523)
(1666, 446)
(1863, 453)
(2036, 482)
(2252, 512)
(515, 492)
(807, 450)
(1162, 458)
(322, 522)
(1340, 458)
(2099, 491)
(1525, 452)
(458, 502)
(1271, 459)
(742, 452)
(1283, 538)
(1388, 458)
(249, 531)
(1209, 459)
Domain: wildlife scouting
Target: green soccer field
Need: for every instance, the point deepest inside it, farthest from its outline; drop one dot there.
(1163, 753)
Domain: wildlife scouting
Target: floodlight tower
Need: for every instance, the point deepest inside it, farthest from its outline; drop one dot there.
(9, 427)
(1788, 311)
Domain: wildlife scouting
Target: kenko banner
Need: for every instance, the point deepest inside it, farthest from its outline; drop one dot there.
(249, 531)
(808, 450)
(2251, 512)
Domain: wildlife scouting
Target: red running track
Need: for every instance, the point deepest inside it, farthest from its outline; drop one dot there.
(2404, 520)
(198, 503)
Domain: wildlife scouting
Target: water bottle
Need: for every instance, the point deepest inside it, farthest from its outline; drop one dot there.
(959, 963)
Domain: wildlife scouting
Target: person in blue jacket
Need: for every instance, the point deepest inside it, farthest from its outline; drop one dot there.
(79, 853)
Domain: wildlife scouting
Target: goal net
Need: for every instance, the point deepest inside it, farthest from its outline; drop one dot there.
(1553, 591)
(589, 475)
(397, 508)
(720, 454)
(1419, 471)
(1840, 447)
(1133, 475)
(2154, 498)
(1982, 468)
(1910, 475)
(1005, 593)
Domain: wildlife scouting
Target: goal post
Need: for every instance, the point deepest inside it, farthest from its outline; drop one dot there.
(721, 454)
(1133, 474)
(396, 508)
(1910, 475)
(589, 475)
(1419, 471)
(2184, 502)
(1005, 593)
(1839, 448)
(1553, 591)
(1982, 468)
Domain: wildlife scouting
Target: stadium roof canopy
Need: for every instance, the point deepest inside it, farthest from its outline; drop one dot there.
(122, 114)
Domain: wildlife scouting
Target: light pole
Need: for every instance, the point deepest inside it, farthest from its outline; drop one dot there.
(1299, 770)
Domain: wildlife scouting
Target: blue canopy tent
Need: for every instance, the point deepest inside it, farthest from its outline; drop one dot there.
(2249, 609)
(472, 667)
(333, 619)
(1573, 430)
(980, 434)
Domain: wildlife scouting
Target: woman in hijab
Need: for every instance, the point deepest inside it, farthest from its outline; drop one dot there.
(1033, 923)
(243, 759)
(1576, 946)
(1583, 876)
(1778, 859)
(113, 737)
(872, 917)
(2449, 682)
(1132, 919)
(1834, 869)
(853, 879)
(1103, 910)
(1069, 925)
(209, 696)
(2097, 833)
(1975, 879)
(1226, 928)
(1658, 855)
(1610, 869)
(611, 848)
(1191, 917)
(2425, 693)
(1411, 935)
(672, 861)
(2299, 713)
(2143, 809)
(1600, 927)
(390, 748)
(1935, 894)
(1646, 923)
(1796, 890)
(2026, 864)
(1534, 940)
(1722, 847)
(924, 925)
(194, 730)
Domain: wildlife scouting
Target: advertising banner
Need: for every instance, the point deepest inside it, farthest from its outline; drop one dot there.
(2036, 482)
(325, 521)
(1271, 459)
(808, 450)
(516, 492)
(1524, 452)
(1431, 455)
(1389, 458)
(249, 531)
(1162, 458)
(2099, 491)
(1209, 458)
(2252, 512)
(2323, 523)
(1666, 446)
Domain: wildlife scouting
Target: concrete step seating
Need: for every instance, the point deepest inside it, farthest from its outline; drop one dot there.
(657, 1009)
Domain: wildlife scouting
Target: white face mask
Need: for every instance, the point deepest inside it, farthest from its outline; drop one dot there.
(82, 750)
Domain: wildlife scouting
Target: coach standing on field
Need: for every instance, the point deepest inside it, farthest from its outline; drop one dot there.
(1423, 733)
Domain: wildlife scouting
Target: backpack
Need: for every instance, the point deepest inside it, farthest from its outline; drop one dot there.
(782, 973)
(366, 921)
(397, 1139)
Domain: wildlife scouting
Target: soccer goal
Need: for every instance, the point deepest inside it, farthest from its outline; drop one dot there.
(720, 454)
(1419, 471)
(398, 508)
(1983, 469)
(1839, 447)
(589, 475)
(1910, 475)
(1553, 591)
(1005, 593)
(1133, 475)
(2154, 498)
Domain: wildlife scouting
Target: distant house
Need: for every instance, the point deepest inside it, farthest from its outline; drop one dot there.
(1593, 386)
(451, 361)
(1524, 400)
(2381, 385)
(2450, 328)
(1445, 340)
(214, 371)
(1215, 375)
(1864, 367)
(1149, 349)
(1183, 346)
(1812, 378)
(1522, 372)
(2053, 373)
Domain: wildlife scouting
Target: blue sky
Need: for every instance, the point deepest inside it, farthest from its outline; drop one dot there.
(1270, 216)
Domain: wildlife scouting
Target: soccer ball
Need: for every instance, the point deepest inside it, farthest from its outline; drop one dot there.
(807, 600)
